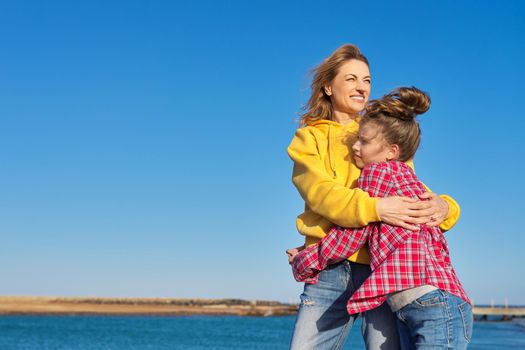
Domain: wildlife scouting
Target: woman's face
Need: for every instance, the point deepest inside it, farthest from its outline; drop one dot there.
(350, 88)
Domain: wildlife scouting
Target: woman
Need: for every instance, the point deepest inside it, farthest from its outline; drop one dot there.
(325, 176)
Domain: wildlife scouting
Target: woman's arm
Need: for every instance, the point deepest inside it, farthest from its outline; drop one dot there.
(440, 210)
(341, 205)
(376, 179)
(334, 201)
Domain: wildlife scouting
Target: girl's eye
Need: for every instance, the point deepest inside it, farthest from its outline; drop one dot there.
(367, 81)
(350, 79)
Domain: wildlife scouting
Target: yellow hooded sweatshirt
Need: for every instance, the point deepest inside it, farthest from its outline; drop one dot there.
(326, 176)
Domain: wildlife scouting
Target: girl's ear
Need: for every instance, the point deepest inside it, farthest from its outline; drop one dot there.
(393, 152)
(328, 90)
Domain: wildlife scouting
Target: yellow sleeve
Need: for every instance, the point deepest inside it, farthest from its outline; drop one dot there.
(453, 212)
(339, 204)
(453, 207)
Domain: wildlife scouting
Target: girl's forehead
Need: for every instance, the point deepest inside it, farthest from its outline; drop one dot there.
(369, 127)
(370, 131)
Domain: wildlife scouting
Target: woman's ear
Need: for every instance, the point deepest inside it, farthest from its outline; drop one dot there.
(393, 152)
(328, 90)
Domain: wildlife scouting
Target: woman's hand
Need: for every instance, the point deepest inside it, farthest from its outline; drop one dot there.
(439, 208)
(404, 211)
(292, 253)
(407, 212)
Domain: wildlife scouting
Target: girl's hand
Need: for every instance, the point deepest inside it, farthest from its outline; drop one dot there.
(292, 253)
(405, 212)
(439, 208)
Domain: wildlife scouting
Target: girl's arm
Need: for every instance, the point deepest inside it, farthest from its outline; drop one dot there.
(336, 246)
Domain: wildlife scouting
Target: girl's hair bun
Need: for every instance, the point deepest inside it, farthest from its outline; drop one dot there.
(410, 102)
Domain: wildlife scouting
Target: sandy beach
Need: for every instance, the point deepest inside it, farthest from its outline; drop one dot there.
(20, 305)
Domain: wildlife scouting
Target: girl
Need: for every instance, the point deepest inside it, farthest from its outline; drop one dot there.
(325, 175)
(411, 270)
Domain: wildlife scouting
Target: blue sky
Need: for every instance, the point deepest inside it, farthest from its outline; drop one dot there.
(143, 144)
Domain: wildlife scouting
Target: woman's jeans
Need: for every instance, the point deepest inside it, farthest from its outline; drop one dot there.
(437, 320)
(323, 321)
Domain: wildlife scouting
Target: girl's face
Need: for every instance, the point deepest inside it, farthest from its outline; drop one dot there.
(371, 147)
(350, 88)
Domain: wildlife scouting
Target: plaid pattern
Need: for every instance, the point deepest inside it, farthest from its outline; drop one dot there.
(399, 258)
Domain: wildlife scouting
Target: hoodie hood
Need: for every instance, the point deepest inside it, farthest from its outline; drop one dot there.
(333, 130)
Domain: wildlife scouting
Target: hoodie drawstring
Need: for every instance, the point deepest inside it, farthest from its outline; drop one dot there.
(331, 157)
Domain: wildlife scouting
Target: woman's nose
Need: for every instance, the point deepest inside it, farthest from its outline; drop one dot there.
(361, 86)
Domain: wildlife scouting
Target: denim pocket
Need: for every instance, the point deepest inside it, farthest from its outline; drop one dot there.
(433, 298)
(306, 300)
(466, 315)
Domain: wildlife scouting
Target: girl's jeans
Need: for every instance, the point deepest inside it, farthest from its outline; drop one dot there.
(324, 323)
(437, 320)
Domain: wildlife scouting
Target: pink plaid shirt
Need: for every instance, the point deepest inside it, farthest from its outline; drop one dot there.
(399, 258)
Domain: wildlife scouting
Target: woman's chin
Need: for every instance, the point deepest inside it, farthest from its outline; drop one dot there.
(356, 107)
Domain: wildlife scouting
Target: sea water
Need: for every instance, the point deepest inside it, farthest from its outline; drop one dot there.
(193, 332)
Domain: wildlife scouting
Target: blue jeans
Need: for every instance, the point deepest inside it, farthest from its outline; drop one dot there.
(437, 320)
(323, 321)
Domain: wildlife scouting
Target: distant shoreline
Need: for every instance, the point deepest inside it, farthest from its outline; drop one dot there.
(27, 305)
(20, 305)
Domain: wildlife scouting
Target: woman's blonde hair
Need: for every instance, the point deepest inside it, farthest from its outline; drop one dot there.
(319, 105)
(395, 115)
